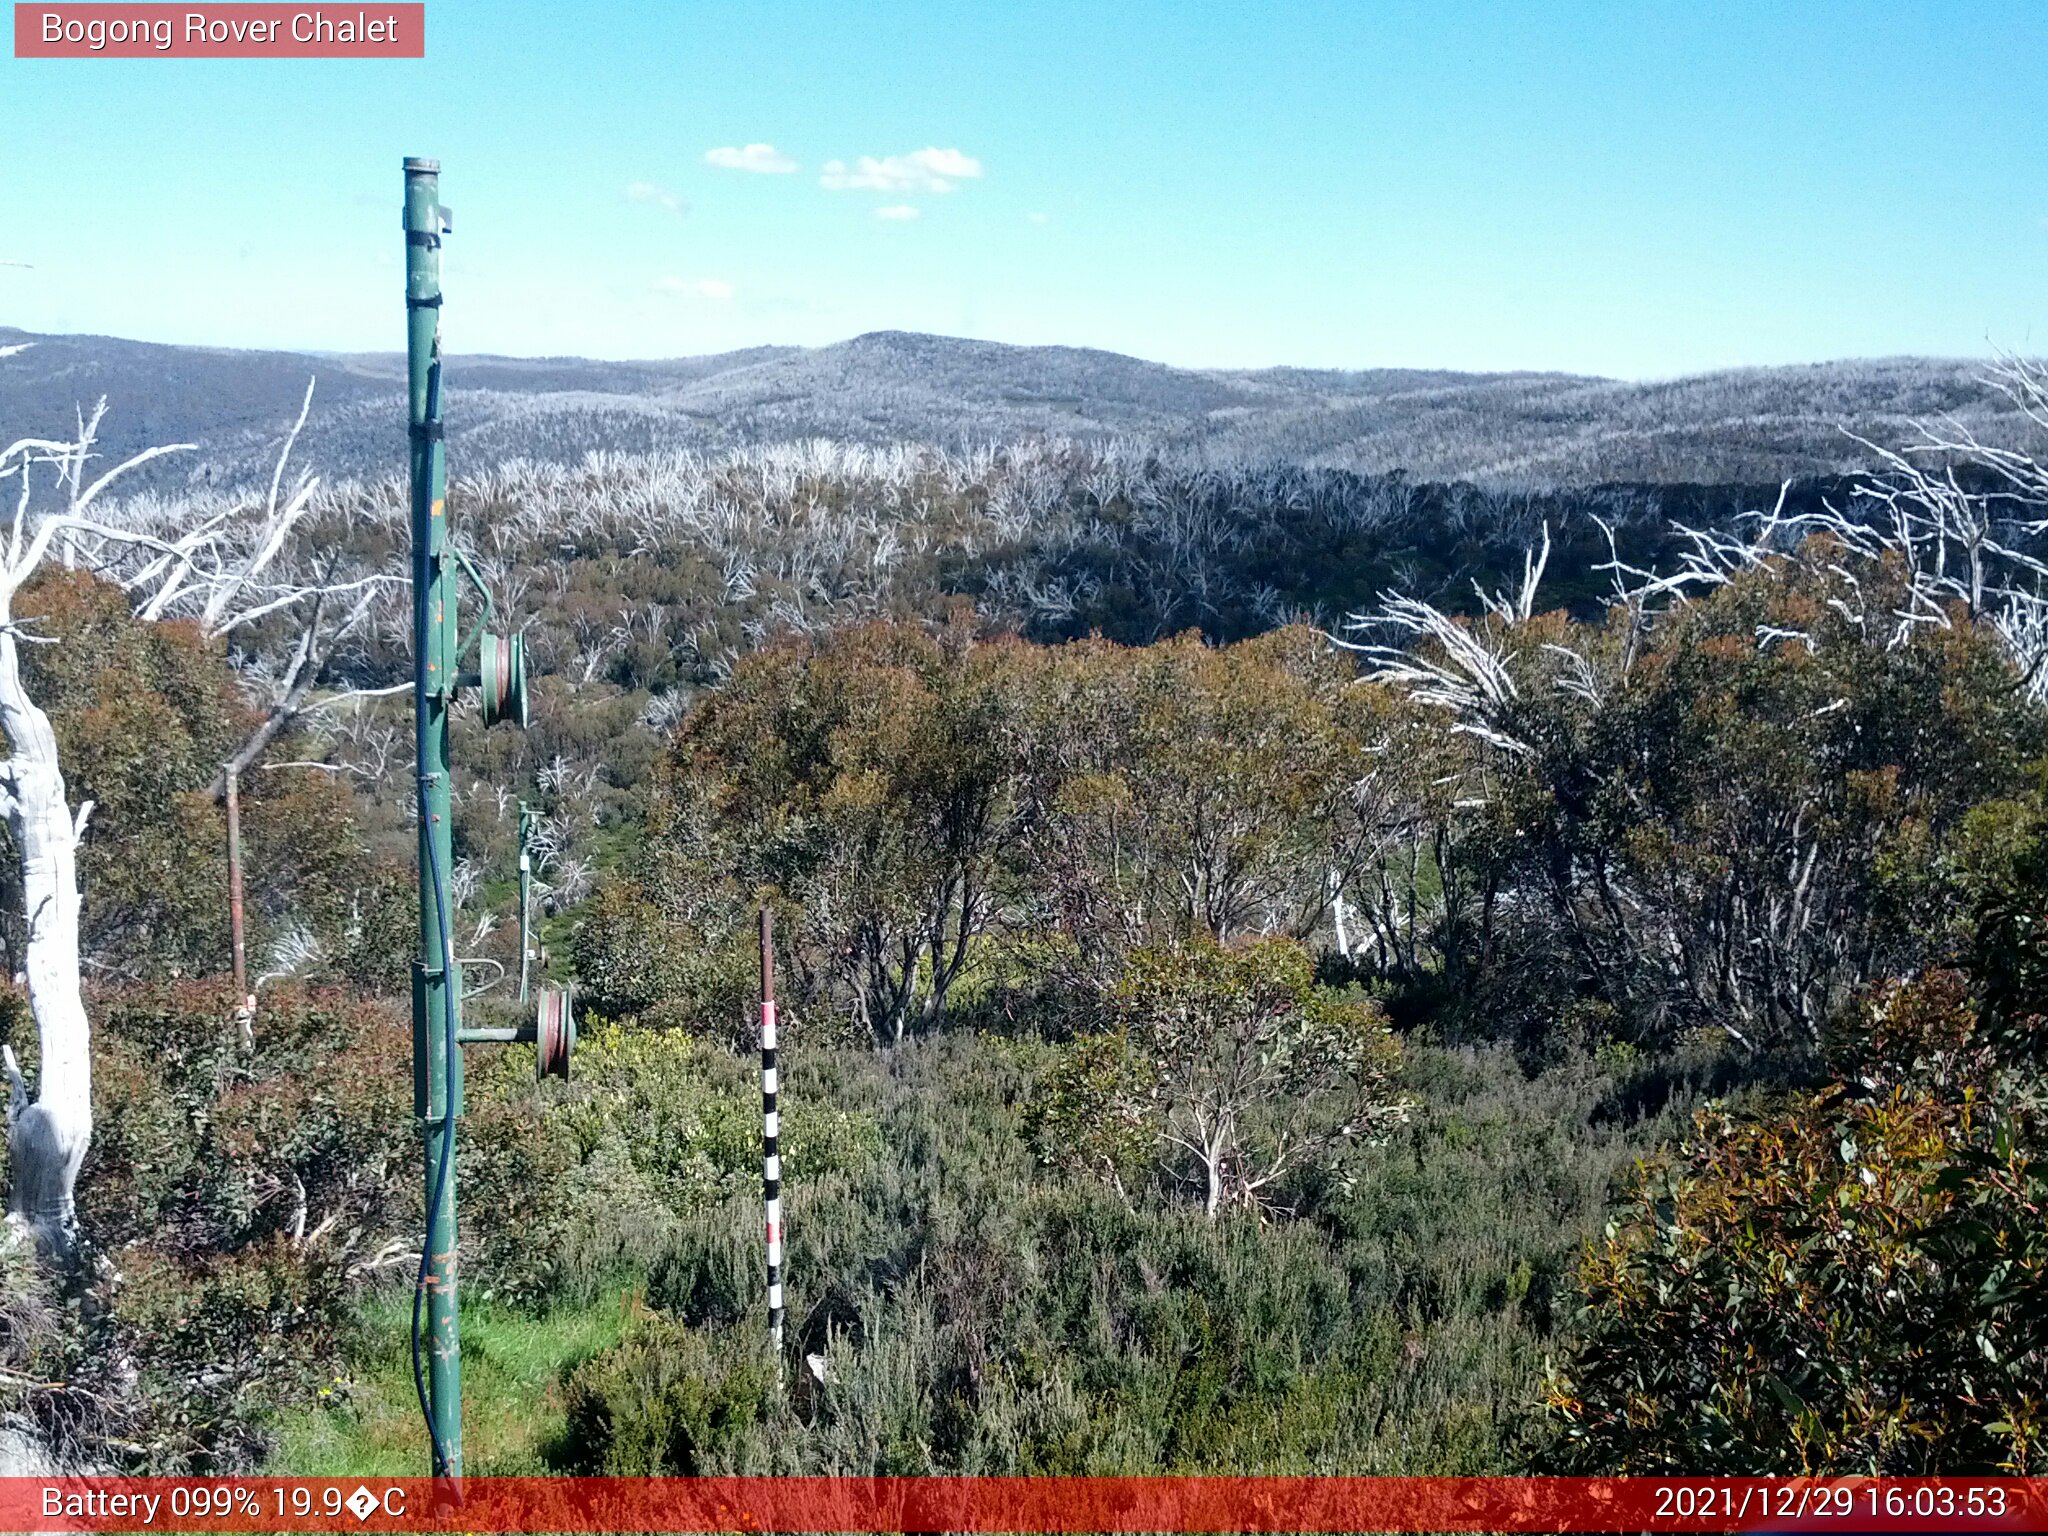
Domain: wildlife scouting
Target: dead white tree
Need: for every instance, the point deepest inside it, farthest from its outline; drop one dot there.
(47, 1137)
(220, 567)
(1960, 522)
(270, 572)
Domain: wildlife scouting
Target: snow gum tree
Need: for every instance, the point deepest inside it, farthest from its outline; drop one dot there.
(1229, 1070)
(218, 563)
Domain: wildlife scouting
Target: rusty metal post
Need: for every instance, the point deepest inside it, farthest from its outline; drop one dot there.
(237, 930)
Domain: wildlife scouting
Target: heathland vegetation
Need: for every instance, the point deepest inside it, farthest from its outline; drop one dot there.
(1285, 969)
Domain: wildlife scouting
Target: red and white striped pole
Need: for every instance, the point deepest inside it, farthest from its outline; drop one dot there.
(771, 1129)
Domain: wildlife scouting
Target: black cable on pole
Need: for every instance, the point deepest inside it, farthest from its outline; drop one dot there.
(446, 1166)
(443, 1169)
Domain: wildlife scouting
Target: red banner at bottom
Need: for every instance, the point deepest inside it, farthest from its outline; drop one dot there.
(810, 1504)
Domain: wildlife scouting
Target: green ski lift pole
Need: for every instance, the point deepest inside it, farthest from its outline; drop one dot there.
(437, 983)
(438, 566)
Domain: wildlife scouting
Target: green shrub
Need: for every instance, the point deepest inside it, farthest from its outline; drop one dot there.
(656, 1128)
(242, 1195)
(666, 1401)
(980, 1311)
(223, 1340)
(628, 954)
(1853, 1280)
(1230, 1070)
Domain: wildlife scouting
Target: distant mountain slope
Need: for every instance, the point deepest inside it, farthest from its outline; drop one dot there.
(1535, 429)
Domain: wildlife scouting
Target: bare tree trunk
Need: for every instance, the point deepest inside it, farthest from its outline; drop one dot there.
(245, 999)
(46, 1139)
(306, 666)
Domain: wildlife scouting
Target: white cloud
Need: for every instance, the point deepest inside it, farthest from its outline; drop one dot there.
(761, 159)
(1034, 218)
(897, 211)
(922, 170)
(660, 196)
(714, 288)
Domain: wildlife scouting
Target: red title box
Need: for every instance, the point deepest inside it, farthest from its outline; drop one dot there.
(234, 31)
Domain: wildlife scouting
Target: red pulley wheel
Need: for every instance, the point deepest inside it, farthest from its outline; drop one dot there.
(554, 1033)
(501, 678)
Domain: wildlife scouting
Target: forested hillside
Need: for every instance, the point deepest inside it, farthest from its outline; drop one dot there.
(1287, 965)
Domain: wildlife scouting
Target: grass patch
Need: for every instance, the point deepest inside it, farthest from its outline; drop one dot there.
(367, 1424)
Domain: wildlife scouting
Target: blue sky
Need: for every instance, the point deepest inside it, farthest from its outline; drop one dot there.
(1639, 190)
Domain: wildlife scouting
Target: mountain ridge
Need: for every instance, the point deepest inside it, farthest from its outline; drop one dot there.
(1525, 427)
